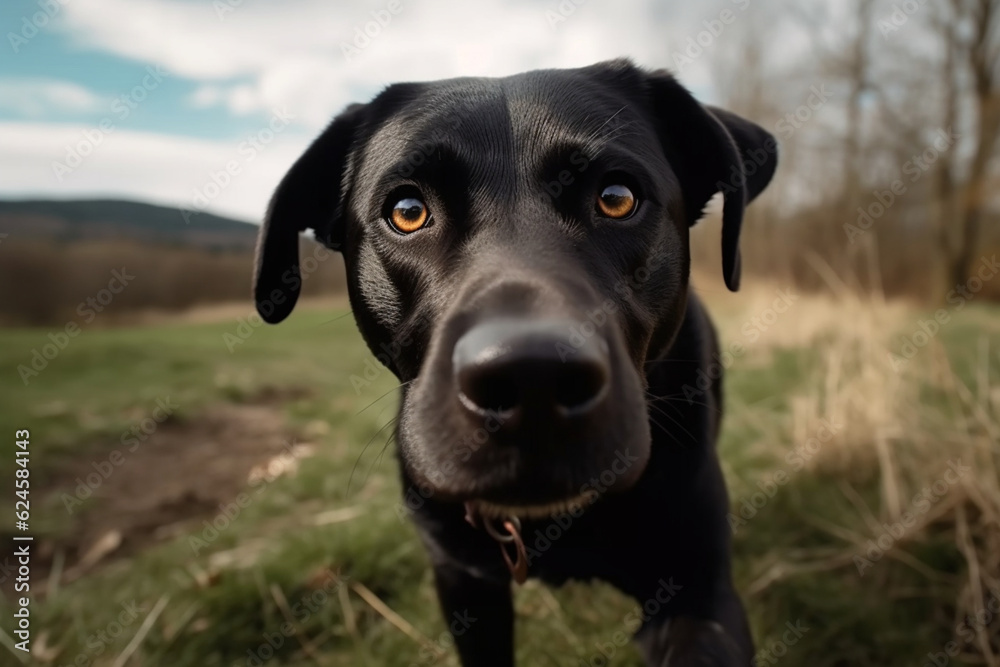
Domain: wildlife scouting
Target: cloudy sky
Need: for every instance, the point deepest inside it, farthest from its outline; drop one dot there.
(147, 99)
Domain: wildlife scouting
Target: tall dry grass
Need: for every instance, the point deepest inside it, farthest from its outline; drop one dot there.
(899, 426)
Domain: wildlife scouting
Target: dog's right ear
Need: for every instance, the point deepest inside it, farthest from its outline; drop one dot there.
(309, 197)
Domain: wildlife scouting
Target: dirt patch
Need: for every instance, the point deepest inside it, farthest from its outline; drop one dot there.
(182, 472)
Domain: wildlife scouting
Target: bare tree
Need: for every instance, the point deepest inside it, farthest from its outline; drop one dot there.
(972, 53)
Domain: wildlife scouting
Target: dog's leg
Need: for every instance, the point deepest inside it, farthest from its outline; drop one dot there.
(687, 641)
(480, 615)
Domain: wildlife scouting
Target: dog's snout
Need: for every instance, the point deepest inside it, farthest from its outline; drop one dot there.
(519, 367)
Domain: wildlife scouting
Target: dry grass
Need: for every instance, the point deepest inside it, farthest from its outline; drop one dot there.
(898, 425)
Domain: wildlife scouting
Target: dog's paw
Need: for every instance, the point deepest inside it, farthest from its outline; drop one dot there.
(690, 642)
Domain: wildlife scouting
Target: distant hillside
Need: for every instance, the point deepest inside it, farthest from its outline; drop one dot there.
(95, 219)
(61, 255)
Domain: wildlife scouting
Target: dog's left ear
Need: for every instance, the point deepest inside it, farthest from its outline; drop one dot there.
(712, 150)
(308, 197)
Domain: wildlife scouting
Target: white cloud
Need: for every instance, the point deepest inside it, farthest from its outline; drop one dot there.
(293, 54)
(141, 165)
(206, 96)
(43, 97)
(243, 99)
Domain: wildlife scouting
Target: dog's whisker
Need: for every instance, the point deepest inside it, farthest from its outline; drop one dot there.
(690, 435)
(659, 410)
(678, 424)
(598, 144)
(620, 132)
(678, 360)
(364, 449)
(678, 409)
(671, 434)
(377, 463)
(399, 386)
(596, 132)
(677, 401)
(336, 319)
(663, 428)
(673, 399)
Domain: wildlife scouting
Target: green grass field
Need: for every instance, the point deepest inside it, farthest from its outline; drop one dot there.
(323, 543)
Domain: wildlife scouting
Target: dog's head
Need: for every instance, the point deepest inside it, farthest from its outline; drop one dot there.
(517, 250)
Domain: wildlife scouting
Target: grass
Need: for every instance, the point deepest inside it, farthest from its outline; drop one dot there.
(823, 361)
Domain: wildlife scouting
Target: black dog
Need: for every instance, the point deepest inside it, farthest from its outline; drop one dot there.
(540, 224)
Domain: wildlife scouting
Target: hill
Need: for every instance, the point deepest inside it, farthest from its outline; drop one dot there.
(102, 219)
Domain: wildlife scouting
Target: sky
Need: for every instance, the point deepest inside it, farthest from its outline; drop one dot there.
(204, 104)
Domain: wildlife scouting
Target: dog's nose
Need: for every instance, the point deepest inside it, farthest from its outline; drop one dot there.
(535, 368)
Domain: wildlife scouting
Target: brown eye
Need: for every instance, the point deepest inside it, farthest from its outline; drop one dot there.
(616, 201)
(409, 215)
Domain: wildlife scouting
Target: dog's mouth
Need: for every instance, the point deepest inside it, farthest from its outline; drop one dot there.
(492, 510)
(520, 418)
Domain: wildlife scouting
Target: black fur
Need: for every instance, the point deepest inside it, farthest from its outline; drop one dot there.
(510, 170)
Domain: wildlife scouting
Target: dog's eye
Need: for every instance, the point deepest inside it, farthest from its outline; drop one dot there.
(409, 215)
(616, 201)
